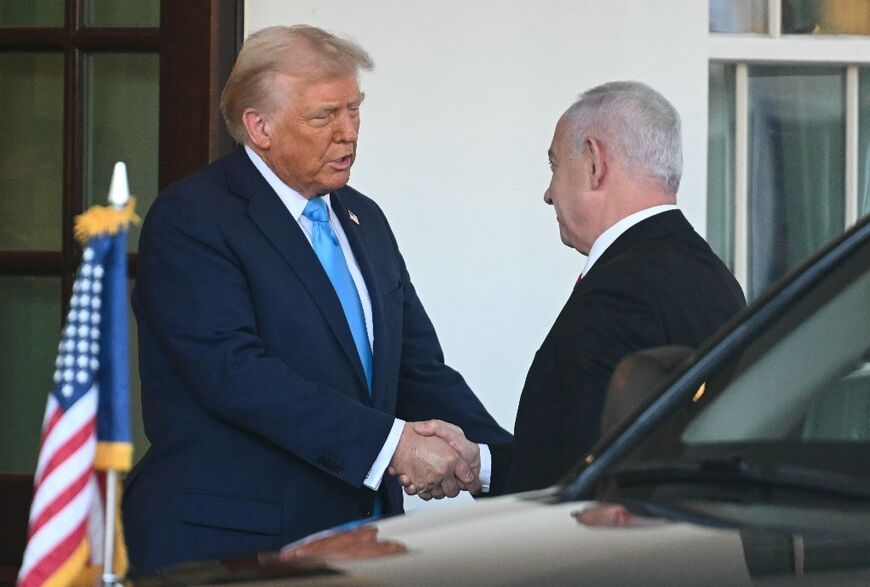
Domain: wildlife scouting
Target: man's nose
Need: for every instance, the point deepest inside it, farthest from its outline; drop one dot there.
(347, 128)
(547, 198)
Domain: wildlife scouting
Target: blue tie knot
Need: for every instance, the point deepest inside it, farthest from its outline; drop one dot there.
(315, 210)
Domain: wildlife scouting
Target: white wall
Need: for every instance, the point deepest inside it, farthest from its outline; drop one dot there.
(456, 125)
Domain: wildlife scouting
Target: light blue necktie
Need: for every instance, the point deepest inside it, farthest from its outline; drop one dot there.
(328, 250)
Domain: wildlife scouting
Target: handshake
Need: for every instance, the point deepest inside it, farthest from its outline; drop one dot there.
(434, 460)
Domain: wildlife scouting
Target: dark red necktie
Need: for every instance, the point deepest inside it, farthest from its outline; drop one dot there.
(579, 277)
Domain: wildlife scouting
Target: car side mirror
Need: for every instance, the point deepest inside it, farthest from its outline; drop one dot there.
(636, 380)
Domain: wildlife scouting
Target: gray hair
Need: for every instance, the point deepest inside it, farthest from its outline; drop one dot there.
(299, 50)
(637, 123)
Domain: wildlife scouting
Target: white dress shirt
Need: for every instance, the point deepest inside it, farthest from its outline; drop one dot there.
(609, 236)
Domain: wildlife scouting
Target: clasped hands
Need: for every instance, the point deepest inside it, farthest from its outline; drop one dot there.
(435, 460)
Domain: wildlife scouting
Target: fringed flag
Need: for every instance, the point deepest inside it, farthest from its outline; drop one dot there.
(86, 428)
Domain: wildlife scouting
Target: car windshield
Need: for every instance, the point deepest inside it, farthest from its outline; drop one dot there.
(790, 409)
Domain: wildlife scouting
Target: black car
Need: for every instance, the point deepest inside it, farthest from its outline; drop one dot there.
(746, 462)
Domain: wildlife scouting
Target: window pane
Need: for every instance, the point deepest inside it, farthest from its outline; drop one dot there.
(720, 168)
(864, 143)
(797, 166)
(31, 160)
(826, 17)
(122, 13)
(29, 334)
(738, 16)
(31, 13)
(121, 125)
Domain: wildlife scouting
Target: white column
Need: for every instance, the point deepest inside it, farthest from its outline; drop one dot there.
(774, 18)
(741, 175)
(851, 145)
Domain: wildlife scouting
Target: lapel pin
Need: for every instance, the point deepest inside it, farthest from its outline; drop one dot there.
(353, 217)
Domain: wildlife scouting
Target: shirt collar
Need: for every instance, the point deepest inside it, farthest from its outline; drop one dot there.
(293, 200)
(609, 236)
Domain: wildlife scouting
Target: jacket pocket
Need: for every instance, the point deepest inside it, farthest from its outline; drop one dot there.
(394, 290)
(231, 513)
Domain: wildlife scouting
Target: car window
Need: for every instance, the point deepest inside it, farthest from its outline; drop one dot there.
(809, 375)
(842, 412)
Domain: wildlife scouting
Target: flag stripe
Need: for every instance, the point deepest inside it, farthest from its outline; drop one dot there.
(69, 573)
(78, 439)
(52, 417)
(50, 569)
(74, 418)
(59, 502)
(79, 461)
(59, 527)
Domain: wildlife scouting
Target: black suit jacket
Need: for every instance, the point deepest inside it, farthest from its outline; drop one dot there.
(658, 284)
(261, 425)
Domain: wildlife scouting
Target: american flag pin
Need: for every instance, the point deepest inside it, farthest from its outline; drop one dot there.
(353, 217)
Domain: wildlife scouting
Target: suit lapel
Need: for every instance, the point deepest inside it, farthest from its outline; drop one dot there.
(354, 233)
(269, 214)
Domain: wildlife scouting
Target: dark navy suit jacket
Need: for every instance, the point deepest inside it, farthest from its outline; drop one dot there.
(253, 396)
(658, 284)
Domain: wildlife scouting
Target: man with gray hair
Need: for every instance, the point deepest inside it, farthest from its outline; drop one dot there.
(649, 278)
(284, 353)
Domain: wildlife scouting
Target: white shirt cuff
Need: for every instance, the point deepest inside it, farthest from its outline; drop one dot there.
(376, 473)
(485, 468)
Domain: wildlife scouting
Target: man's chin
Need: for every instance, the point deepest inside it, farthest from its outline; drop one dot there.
(334, 183)
(571, 244)
(339, 179)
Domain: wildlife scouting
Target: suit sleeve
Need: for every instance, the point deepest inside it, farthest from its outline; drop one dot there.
(502, 455)
(191, 293)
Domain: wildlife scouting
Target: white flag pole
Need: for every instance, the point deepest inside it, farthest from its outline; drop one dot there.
(109, 578)
(119, 193)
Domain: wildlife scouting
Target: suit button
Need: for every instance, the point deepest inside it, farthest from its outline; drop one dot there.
(330, 464)
(365, 510)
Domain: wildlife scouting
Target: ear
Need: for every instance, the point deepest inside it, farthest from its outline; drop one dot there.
(259, 130)
(599, 165)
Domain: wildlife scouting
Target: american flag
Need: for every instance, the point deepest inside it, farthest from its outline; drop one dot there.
(86, 425)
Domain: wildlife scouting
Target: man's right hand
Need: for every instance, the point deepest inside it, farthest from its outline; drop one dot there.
(431, 465)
